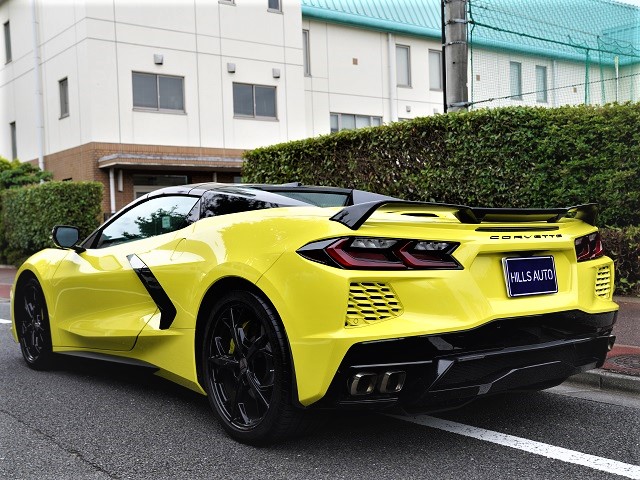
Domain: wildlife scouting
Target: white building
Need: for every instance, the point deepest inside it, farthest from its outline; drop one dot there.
(143, 94)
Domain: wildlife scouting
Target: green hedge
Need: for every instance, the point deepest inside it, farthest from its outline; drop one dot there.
(30, 213)
(505, 157)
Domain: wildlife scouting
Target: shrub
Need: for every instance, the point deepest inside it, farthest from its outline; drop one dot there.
(504, 157)
(623, 245)
(30, 213)
(18, 174)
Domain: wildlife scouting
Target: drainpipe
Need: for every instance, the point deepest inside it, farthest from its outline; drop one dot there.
(112, 190)
(38, 97)
(616, 60)
(554, 83)
(393, 104)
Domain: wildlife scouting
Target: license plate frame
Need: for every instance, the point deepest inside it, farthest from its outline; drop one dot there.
(526, 276)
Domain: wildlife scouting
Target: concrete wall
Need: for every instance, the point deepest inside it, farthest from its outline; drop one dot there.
(565, 81)
(97, 46)
(350, 74)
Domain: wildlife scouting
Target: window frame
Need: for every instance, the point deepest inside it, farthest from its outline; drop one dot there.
(408, 72)
(8, 53)
(158, 108)
(541, 90)
(14, 140)
(515, 93)
(94, 240)
(63, 88)
(439, 64)
(275, 10)
(306, 52)
(355, 120)
(253, 96)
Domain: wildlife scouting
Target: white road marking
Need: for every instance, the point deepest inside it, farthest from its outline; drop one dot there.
(4, 321)
(537, 448)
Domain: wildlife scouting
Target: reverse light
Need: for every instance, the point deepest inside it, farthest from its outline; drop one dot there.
(589, 247)
(371, 253)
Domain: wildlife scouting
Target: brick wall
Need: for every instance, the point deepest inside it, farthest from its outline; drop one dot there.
(81, 163)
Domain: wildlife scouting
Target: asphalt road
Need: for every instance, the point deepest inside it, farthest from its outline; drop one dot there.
(90, 419)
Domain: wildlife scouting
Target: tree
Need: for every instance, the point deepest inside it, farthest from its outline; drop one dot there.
(17, 174)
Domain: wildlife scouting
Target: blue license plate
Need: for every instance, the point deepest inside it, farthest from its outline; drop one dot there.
(530, 276)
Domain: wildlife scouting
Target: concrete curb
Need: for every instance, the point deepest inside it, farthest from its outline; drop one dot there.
(605, 380)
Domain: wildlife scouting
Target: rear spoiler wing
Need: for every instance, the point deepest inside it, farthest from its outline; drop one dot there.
(355, 215)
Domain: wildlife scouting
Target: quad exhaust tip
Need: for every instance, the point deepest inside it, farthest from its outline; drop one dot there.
(365, 383)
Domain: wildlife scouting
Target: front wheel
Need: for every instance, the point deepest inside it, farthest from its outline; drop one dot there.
(247, 371)
(32, 324)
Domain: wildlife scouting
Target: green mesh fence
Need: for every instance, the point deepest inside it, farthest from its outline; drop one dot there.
(553, 52)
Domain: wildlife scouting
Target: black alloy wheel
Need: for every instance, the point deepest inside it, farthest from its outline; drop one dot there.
(246, 370)
(32, 323)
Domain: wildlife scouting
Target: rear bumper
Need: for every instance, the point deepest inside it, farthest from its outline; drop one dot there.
(444, 371)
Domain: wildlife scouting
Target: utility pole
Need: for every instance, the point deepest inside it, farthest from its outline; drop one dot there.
(455, 54)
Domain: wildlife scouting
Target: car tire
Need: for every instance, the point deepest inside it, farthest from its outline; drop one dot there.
(247, 371)
(32, 325)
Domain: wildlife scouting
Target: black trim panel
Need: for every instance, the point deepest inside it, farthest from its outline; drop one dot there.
(447, 370)
(355, 215)
(157, 293)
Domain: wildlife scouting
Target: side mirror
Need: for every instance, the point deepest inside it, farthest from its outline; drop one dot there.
(65, 236)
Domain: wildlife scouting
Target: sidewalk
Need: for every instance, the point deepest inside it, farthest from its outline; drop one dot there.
(621, 368)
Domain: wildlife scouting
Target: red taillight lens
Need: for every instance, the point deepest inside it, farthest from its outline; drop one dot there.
(589, 247)
(364, 253)
(370, 253)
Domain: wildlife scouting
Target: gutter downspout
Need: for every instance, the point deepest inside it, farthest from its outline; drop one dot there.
(616, 60)
(554, 83)
(112, 190)
(38, 97)
(393, 104)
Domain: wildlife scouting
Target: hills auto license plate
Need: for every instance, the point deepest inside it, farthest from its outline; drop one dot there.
(530, 276)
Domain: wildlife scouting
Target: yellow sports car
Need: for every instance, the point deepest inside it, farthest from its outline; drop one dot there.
(279, 302)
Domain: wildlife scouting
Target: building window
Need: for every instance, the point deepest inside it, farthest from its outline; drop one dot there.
(275, 5)
(435, 70)
(143, 184)
(7, 42)
(403, 66)
(515, 75)
(158, 92)
(348, 121)
(14, 141)
(257, 101)
(306, 53)
(64, 97)
(541, 84)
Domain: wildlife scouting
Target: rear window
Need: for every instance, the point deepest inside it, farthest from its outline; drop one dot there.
(319, 199)
(214, 204)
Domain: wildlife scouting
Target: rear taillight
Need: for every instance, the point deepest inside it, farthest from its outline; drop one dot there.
(589, 247)
(368, 253)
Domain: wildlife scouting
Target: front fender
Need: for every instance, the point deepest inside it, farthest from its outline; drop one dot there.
(43, 266)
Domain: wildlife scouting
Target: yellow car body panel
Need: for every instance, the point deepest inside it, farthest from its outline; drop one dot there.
(97, 304)
(433, 301)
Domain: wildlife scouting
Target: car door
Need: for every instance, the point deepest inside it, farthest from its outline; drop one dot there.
(102, 302)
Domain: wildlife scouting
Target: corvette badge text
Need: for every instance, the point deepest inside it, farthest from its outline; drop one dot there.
(523, 237)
